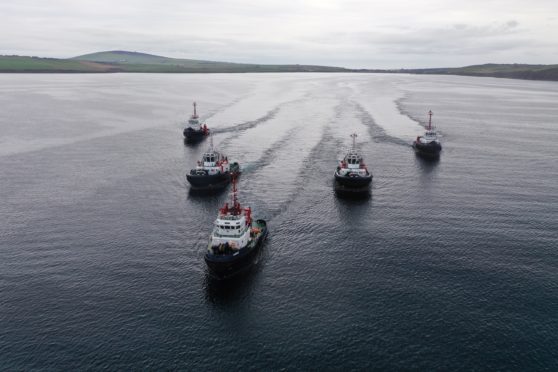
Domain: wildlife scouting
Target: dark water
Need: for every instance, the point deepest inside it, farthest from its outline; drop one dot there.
(451, 265)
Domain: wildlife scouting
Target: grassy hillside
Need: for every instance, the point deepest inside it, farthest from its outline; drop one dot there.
(142, 62)
(36, 64)
(119, 56)
(123, 61)
(513, 71)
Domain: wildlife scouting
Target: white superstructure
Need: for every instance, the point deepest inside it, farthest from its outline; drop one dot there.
(213, 162)
(194, 121)
(231, 230)
(352, 164)
(430, 135)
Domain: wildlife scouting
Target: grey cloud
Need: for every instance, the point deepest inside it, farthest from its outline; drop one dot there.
(459, 39)
(352, 33)
(456, 39)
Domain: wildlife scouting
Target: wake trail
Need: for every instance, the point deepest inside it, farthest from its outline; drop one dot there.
(301, 180)
(248, 124)
(269, 154)
(319, 156)
(423, 122)
(377, 133)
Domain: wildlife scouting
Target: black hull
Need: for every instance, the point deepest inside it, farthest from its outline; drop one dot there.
(227, 266)
(430, 151)
(193, 136)
(353, 182)
(206, 182)
(352, 192)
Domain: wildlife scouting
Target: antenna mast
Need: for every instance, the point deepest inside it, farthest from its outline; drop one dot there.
(235, 204)
(430, 120)
(195, 113)
(354, 136)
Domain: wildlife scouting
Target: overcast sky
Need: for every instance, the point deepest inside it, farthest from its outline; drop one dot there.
(352, 33)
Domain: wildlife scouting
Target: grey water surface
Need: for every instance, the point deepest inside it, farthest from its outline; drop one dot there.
(449, 265)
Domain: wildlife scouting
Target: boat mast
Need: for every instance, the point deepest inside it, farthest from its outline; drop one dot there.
(354, 136)
(430, 120)
(235, 204)
(195, 116)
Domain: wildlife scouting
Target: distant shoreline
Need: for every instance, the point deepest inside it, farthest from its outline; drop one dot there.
(134, 62)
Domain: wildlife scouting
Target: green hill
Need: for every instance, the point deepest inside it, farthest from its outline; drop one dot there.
(142, 62)
(36, 64)
(120, 56)
(513, 71)
(123, 61)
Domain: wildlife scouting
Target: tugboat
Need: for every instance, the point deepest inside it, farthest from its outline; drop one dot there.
(235, 240)
(352, 176)
(213, 172)
(428, 146)
(195, 131)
